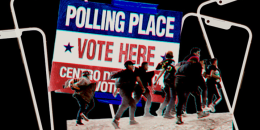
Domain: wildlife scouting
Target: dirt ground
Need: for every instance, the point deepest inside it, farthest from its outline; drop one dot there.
(215, 121)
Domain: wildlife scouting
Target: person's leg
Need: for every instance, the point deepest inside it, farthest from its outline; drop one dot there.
(196, 95)
(184, 105)
(137, 94)
(181, 100)
(132, 108)
(82, 105)
(181, 95)
(174, 97)
(215, 102)
(90, 106)
(171, 104)
(204, 92)
(210, 88)
(124, 105)
(166, 101)
(219, 97)
(184, 108)
(148, 102)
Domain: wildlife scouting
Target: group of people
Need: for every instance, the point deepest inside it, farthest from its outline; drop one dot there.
(191, 76)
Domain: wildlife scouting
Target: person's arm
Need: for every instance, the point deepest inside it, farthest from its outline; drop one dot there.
(151, 88)
(82, 83)
(150, 76)
(74, 86)
(140, 83)
(159, 76)
(115, 92)
(69, 84)
(178, 65)
(116, 75)
(212, 74)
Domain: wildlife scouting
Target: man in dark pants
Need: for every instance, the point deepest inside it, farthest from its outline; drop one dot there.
(194, 52)
(213, 81)
(167, 66)
(146, 78)
(188, 78)
(84, 93)
(126, 84)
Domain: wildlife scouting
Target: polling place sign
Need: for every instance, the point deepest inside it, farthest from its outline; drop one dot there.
(100, 37)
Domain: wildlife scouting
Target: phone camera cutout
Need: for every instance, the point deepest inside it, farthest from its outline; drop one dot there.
(220, 1)
(208, 21)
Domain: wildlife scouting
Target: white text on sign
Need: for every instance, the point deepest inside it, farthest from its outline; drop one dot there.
(115, 21)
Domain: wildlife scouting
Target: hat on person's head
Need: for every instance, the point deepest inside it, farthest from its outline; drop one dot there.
(194, 58)
(86, 73)
(129, 62)
(169, 54)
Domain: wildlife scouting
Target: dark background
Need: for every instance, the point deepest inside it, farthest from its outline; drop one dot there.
(18, 110)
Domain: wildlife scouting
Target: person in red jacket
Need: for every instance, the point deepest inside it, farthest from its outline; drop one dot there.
(188, 79)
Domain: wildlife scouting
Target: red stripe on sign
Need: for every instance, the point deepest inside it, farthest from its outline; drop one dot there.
(61, 72)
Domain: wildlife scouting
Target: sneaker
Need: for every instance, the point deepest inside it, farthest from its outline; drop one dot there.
(206, 109)
(84, 117)
(132, 122)
(115, 123)
(168, 116)
(202, 114)
(207, 112)
(184, 113)
(212, 108)
(77, 124)
(159, 112)
(179, 120)
(173, 112)
(148, 115)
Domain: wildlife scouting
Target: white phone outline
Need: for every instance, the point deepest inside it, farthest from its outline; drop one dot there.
(247, 50)
(223, 2)
(211, 53)
(223, 25)
(18, 32)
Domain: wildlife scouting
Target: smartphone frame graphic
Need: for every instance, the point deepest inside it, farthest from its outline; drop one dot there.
(223, 2)
(230, 24)
(222, 24)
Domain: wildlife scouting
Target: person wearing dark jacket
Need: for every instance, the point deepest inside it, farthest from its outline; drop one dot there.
(167, 66)
(127, 79)
(84, 92)
(146, 79)
(193, 52)
(188, 78)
